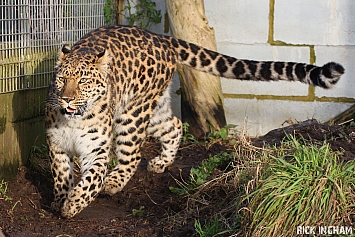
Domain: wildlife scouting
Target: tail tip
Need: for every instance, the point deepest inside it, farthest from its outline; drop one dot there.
(330, 74)
(333, 70)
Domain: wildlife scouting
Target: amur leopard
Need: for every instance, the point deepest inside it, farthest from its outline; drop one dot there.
(115, 80)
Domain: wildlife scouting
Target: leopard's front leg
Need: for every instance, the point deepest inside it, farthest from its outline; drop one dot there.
(92, 146)
(70, 200)
(94, 170)
(62, 172)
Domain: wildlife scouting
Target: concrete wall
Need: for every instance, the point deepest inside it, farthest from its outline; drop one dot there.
(315, 31)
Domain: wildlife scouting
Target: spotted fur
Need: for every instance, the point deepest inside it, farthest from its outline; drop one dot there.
(115, 80)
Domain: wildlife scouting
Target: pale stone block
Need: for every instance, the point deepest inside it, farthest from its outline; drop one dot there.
(265, 52)
(316, 22)
(344, 55)
(265, 115)
(239, 20)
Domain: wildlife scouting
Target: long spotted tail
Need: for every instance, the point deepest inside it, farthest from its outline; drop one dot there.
(222, 65)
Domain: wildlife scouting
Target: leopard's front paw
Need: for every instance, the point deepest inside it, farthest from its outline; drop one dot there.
(158, 165)
(111, 187)
(69, 209)
(75, 203)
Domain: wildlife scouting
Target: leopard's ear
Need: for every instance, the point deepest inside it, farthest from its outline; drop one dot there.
(63, 53)
(103, 60)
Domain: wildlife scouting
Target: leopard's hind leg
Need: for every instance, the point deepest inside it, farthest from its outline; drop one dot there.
(130, 128)
(168, 130)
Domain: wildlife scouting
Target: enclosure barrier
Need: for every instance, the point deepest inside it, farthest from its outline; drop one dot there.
(31, 31)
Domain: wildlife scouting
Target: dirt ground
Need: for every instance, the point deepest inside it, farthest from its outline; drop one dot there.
(146, 205)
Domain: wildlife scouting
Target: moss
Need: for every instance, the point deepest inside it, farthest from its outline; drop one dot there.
(308, 98)
(34, 71)
(274, 42)
(21, 127)
(271, 22)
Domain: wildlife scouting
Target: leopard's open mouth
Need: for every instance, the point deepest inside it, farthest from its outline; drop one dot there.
(70, 110)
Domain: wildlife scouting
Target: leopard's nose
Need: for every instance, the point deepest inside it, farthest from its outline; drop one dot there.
(68, 99)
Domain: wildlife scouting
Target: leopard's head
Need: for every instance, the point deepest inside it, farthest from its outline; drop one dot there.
(80, 80)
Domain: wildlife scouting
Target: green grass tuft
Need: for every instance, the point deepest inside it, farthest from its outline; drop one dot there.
(303, 185)
(210, 229)
(200, 174)
(3, 191)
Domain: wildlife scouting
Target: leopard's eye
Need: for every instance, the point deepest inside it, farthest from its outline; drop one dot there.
(60, 79)
(83, 80)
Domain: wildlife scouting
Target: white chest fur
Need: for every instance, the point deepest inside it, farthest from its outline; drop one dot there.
(73, 136)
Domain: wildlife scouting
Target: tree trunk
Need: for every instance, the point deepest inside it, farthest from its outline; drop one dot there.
(202, 98)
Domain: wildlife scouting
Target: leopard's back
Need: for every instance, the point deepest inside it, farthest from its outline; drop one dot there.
(142, 62)
(135, 51)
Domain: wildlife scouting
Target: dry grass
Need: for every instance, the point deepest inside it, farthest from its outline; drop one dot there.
(221, 196)
(270, 191)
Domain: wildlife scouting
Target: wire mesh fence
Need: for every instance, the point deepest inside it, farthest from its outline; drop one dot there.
(31, 31)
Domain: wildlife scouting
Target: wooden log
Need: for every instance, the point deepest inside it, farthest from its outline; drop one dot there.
(345, 117)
